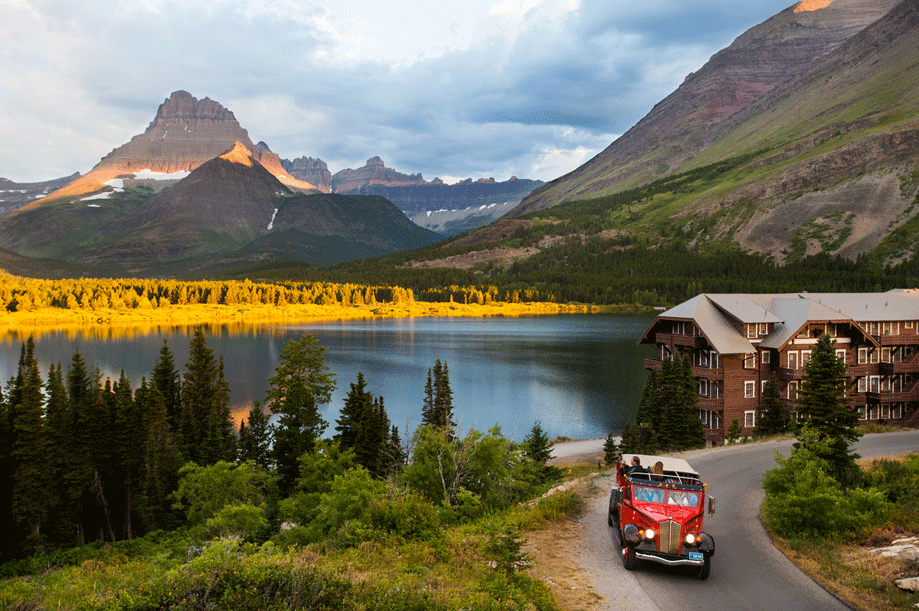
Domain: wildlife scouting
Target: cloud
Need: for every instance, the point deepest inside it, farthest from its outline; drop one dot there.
(531, 88)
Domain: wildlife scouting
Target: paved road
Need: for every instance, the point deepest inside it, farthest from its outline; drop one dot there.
(748, 573)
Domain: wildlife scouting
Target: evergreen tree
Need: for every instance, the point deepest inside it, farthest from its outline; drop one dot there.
(427, 408)
(256, 436)
(364, 427)
(443, 397)
(773, 419)
(822, 402)
(629, 444)
(354, 414)
(88, 447)
(32, 497)
(537, 447)
(611, 453)
(169, 383)
(130, 437)
(162, 461)
(206, 427)
(300, 383)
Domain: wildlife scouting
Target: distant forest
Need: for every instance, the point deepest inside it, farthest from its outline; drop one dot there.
(612, 271)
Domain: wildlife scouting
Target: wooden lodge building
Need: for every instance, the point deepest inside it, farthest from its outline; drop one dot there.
(738, 341)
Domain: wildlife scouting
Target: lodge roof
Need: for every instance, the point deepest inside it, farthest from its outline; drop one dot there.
(717, 315)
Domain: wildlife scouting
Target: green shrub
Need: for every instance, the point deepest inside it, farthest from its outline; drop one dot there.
(802, 499)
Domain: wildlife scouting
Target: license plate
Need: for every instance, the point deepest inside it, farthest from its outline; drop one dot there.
(696, 556)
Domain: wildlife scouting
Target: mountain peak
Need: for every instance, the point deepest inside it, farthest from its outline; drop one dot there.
(183, 107)
(239, 154)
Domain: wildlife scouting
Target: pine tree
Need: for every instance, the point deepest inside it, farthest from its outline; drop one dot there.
(169, 383)
(162, 461)
(773, 419)
(822, 402)
(611, 453)
(129, 435)
(256, 436)
(427, 408)
(437, 409)
(300, 383)
(32, 497)
(537, 447)
(354, 414)
(206, 428)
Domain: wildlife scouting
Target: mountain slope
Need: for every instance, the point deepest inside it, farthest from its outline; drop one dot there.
(826, 161)
(686, 122)
(229, 209)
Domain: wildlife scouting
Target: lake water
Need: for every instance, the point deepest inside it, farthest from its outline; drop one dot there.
(581, 376)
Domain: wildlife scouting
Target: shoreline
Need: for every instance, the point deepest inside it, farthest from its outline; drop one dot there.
(46, 319)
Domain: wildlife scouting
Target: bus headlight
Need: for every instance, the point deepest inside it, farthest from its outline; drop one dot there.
(649, 534)
(690, 539)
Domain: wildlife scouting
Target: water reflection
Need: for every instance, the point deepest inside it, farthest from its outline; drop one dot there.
(580, 375)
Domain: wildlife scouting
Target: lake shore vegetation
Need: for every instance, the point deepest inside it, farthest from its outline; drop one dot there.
(27, 302)
(145, 498)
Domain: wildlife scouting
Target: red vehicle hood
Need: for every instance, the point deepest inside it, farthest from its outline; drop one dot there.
(660, 513)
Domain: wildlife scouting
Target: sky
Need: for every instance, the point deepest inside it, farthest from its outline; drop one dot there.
(481, 88)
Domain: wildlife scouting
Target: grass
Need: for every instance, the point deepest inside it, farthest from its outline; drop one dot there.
(455, 570)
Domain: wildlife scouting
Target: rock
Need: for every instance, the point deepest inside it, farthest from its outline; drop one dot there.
(311, 170)
(910, 584)
(374, 172)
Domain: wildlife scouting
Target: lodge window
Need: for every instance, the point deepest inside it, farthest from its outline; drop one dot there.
(885, 354)
(793, 416)
(749, 419)
(841, 355)
(885, 410)
(873, 356)
(804, 333)
(885, 384)
(793, 360)
(890, 328)
(763, 329)
(793, 391)
(765, 357)
(762, 387)
(873, 413)
(703, 388)
(703, 358)
(863, 384)
(862, 414)
(872, 328)
(874, 383)
(897, 411)
(749, 361)
(908, 324)
(714, 356)
(805, 357)
(749, 389)
(862, 356)
(751, 331)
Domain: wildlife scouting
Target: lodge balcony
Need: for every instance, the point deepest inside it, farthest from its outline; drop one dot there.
(910, 339)
(862, 369)
(708, 373)
(696, 342)
(908, 366)
(863, 398)
(712, 405)
(788, 375)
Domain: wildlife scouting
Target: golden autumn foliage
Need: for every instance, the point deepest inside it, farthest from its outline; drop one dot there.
(28, 301)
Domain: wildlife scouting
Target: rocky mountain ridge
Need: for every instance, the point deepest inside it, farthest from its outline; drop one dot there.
(824, 159)
(185, 133)
(688, 121)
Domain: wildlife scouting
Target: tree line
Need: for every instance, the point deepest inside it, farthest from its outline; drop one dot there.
(83, 460)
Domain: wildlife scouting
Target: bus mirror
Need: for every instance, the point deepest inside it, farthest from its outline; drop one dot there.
(711, 505)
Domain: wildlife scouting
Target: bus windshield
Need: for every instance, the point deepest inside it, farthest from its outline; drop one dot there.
(667, 496)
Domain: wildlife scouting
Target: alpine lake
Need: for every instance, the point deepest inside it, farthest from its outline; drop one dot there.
(580, 376)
